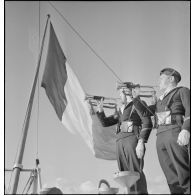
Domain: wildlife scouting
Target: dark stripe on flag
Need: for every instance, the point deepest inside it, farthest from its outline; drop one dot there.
(55, 74)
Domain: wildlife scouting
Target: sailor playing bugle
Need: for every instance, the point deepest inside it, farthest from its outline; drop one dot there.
(132, 133)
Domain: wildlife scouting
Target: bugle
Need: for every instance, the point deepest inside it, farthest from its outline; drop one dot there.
(131, 85)
(93, 101)
(95, 97)
(105, 105)
(110, 102)
(148, 86)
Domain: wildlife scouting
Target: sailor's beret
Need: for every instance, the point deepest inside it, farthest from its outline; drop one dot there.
(171, 72)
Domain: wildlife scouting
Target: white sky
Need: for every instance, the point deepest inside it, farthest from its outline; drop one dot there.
(137, 39)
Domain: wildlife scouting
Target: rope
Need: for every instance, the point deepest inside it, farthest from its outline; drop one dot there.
(8, 189)
(30, 178)
(17, 148)
(38, 94)
(31, 181)
(77, 33)
(26, 118)
(39, 22)
(90, 47)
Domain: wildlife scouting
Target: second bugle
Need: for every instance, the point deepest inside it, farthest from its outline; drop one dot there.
(106, 105)
(95, 97)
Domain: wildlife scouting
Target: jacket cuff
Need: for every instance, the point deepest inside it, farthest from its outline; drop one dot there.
(145, 136)
(186, 125)
(100, 113)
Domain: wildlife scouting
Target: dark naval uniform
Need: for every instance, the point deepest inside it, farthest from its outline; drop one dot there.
(127, 140)
(173, 158)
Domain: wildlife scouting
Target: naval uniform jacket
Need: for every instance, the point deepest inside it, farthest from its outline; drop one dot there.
(141, 126)
(179, 106)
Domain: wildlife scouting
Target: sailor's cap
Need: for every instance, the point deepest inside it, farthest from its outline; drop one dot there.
(171, 72)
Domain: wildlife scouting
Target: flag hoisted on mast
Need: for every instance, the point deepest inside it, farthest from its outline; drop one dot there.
(68, 99)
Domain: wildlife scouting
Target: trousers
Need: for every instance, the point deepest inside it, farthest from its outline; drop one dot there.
(174, 161)
(128, 161)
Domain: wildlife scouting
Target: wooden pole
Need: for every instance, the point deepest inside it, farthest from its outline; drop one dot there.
(18, 165)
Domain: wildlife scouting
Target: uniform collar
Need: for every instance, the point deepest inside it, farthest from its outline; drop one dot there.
(123, 107)
(166, 92)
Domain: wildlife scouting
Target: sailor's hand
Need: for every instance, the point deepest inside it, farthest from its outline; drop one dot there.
(100, 105)
(136, 92)
(183, 137)
(90, 106)
(140, 149)
(154, 98)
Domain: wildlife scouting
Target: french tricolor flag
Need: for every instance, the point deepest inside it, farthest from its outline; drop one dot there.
(68, 99)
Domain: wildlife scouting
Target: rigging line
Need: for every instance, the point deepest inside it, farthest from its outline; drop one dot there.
(91, 48)
(31, 181)
(6, 190)
(23, 122)
(39, 22)
(28, 181)
(85, 42)
(27, 118)
(9, 186)
(38, 93)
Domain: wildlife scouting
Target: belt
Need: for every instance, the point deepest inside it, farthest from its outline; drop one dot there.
(173, 119)
(129, 127)
(163, 118)
(126, 126)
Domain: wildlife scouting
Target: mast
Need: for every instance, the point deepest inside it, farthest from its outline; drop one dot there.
(18, 166)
